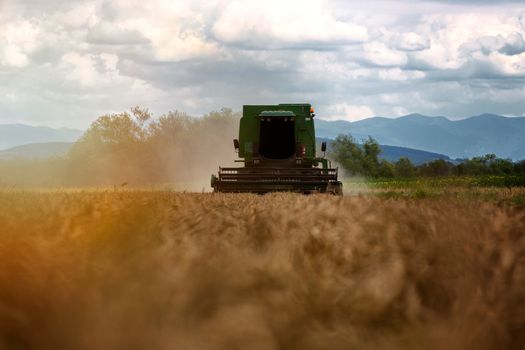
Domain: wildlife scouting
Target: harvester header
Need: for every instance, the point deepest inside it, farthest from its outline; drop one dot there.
(277, 146)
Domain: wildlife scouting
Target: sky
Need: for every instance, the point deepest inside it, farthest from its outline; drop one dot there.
(65, 62)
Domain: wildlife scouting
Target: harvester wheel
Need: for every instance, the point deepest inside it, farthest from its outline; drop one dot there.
(335, 189)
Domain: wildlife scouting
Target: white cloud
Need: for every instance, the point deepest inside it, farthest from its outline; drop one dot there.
(109, 33)
(19, 39)
(91, 71)
(344, 111)
(399, 111)
(68, 59)
(455, 37)
(512, 44)
(277, 23)
(409, 41)
(82, 68)
(381, 55)
(110, 61)
(175, 30)
(79, 16)
(399, 74)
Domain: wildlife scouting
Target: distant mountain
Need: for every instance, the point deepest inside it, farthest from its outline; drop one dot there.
(416, 156)
(393, 153)
(475, 136)
(59, 149)
(12, 135)
(37, 150)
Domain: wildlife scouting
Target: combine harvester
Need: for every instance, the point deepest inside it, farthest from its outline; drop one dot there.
(277, 146)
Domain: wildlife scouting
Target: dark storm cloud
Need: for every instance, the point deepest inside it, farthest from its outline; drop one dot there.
(168, 75)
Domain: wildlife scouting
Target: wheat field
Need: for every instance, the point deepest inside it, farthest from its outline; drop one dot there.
(92, 269)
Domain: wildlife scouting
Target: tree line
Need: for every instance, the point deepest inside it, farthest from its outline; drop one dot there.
(364, 160)
(136, 149)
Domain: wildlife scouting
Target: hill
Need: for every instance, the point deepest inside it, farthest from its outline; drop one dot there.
(37, 150)
(12, 135)
(486, 133)
(475, 136)
(51, 149)
(393, 153)
(416, 156)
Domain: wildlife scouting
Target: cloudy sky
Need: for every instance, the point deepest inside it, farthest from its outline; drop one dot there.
(64, 62)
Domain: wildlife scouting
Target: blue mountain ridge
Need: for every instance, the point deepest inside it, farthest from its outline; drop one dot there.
(393, 153)
(466, 138)
(60, 149)
(12, 135)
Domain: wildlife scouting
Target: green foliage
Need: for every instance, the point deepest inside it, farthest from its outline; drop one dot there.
(371, 151)
(404, 168)
(488, 164)
(519, 167)
(448, 182)
(357, 159)
(363, 160)
(386, 169)
(348, 154)
(438, 167)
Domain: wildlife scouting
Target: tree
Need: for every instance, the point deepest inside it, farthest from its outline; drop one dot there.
(348, 154)
(404, 168)
(358, 159)
(438, 167)
(133, 147)
(519, 167)
(371, 157)
(501, 167)
(386, 169)
(112, 151)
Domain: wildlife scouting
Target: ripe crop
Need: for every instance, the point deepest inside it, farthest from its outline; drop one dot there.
(162, 270)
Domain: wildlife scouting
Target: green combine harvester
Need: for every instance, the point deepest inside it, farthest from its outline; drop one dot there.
(277, 146)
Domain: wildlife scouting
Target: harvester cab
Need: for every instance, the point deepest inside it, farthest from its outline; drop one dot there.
(277, 146)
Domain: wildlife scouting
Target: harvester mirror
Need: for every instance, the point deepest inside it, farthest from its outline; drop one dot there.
(323, 147)
(236, 144)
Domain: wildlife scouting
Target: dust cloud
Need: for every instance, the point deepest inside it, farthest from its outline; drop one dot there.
(133, 149)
